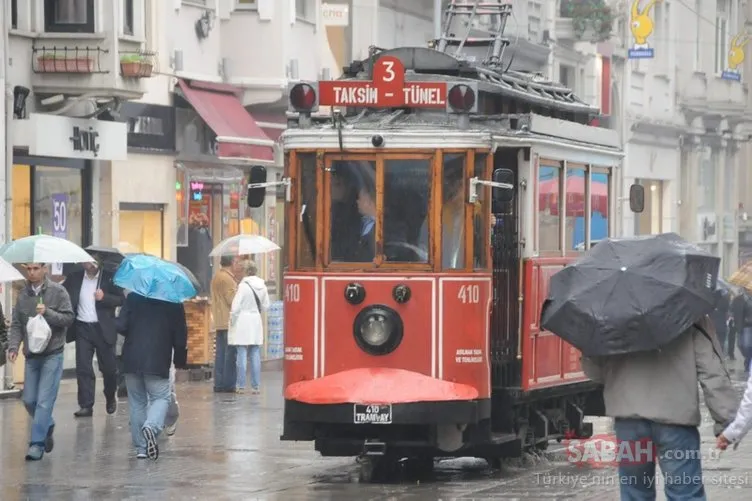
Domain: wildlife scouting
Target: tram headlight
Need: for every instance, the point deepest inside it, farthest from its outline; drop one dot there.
(378, 330)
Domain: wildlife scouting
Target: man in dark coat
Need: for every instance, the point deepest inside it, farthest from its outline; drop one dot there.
(156, 336)
(94, 298)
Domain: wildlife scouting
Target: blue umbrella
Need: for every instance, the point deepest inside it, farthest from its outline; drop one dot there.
(154, 278)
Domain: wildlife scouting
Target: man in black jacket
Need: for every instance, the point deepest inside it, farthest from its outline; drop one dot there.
(94, 298)
(156, 336)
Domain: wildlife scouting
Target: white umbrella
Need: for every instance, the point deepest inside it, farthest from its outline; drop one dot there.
(8, 272)
(44, 249)
(242, 245)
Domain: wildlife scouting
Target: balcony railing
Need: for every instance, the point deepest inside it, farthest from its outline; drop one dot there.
(68, 60)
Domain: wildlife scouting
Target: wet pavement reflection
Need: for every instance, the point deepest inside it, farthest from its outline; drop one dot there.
(227, 447)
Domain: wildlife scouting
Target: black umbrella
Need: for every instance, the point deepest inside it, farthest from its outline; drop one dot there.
(109, 257)
(630, 295)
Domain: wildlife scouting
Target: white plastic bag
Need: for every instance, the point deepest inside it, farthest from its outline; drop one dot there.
(38, 334)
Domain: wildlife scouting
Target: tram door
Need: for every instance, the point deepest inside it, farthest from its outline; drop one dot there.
(505, 251)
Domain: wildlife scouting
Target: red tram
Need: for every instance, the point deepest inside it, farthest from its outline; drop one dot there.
(424, 222)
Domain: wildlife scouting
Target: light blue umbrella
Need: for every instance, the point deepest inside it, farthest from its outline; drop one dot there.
(155, 278)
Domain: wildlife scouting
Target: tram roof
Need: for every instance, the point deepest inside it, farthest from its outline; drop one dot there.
(425, 64)
(436, 128)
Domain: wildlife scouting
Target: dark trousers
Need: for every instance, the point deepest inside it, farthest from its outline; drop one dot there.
(731, 343)
(225, 358)
(89, 340)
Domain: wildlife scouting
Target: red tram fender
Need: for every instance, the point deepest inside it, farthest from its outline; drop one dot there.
(378, 386)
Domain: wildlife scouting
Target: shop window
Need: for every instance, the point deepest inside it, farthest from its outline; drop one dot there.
(599, 205)
(141, 228)
(481, 209)
(58, 203)
(69, 16)
(650, 220)
(575, 196)
(549, 207)
(21, 201)
(453, 211)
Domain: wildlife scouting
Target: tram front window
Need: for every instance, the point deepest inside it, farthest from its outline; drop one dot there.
(353, 211)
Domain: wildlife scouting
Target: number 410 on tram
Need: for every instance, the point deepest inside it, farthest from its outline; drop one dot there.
(423, 225)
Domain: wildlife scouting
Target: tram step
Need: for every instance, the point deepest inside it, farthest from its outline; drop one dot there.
(503, 438)
(374, 448)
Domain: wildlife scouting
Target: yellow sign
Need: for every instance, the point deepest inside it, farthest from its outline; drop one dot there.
(735, 57)
(642, 26)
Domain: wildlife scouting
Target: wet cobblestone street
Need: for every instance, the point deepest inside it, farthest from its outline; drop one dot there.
(227, 448)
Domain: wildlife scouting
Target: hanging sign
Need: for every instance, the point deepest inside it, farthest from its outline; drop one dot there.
(735, 58)
(388, 89)
(60, 215)
(641, 25)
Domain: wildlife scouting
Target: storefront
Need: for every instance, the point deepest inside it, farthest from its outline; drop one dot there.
(54, 163)
(138, 193)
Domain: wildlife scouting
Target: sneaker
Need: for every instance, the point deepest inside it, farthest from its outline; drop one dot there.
(49, 441)
(170, 430)
(35, 453)
(152, 448)
(240, 390)
(141, 455)
(256, 391)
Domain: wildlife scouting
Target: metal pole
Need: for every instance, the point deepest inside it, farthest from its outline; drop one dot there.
(7, 380)
(437, 25)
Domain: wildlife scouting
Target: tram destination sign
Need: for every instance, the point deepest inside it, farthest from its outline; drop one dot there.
(388, 89)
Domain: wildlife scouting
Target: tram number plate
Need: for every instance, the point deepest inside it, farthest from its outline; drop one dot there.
(372, 414)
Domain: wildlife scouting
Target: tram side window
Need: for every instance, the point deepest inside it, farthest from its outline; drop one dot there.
(599, 204)
(353, 211)
(481, 240)
(306, 231)
(575, 208)
(407, 188)
(453, 212)
(549, 223)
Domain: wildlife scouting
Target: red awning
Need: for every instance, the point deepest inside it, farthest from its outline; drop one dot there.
(238, 134)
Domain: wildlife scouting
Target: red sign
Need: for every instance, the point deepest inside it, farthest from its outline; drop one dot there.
(388, 89)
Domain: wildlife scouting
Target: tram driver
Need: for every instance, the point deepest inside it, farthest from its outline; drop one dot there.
(353, 212)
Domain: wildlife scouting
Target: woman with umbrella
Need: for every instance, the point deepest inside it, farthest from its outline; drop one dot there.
(156, 334)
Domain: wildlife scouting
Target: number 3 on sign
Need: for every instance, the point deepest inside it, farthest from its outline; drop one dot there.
(469, 294)
(389, 69)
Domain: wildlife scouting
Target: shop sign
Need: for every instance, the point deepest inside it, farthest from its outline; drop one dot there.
(66, 137)
(735, 57)
(641, 23)
(335, 14)
(60, 215)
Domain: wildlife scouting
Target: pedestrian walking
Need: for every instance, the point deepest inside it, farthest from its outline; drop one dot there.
(94, 299)
(653, 397)
(155, 337)
(246, 331)
(742, 312)
(41, 298)
(224, 285)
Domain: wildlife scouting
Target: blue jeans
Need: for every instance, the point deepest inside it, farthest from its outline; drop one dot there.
(678, 454)
(41, 383)
(224, 363)
(255, 355)
(148, 400)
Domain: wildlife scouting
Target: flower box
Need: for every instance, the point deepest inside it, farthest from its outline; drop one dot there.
(57, 64)
(135, 66)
